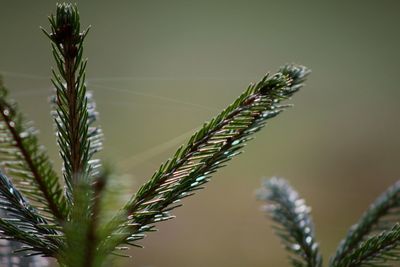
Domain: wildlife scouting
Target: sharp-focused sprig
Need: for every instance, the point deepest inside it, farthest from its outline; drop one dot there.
(74, 109)
(26, 161)
(68, 225)
(293, 223)
(382, 215)
(207, 150)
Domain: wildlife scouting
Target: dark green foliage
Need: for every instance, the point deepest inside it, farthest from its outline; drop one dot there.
(21, 220)
(207, 150)
(380, 216)
(74, 110)
(26, 161)
(293, 222)
(373, 241)
(68, 225)
(377, 250)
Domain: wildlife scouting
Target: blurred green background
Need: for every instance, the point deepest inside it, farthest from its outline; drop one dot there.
(159, 69)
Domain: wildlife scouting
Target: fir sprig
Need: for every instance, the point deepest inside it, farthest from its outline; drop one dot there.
(378, 250)
(70, 227)
(382, 215)
(27, 162)
(74, 110)
(373, 241)
(21, 222)
(293, 223)
(207, 150)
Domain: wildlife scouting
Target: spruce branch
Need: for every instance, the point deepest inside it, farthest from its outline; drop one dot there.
(382, 215)
(27, 162)
(207, 150)
(21, 222)
(377, 250)
(293, 223)
(72, 230)
(74, 109)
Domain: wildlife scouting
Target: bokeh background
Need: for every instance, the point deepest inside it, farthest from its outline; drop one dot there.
(159, 69)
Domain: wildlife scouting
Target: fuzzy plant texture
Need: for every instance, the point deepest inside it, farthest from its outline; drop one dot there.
(373, 241)
(64, 217)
